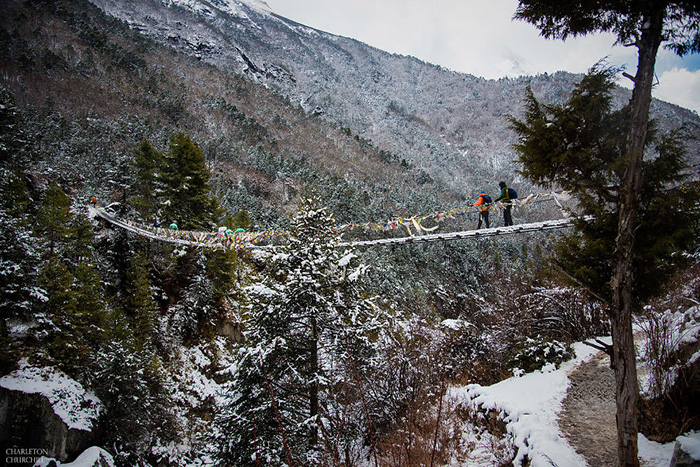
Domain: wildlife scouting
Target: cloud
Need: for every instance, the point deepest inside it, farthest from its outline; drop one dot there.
(679, 86)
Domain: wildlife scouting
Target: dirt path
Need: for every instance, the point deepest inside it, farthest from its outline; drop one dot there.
(587, 418)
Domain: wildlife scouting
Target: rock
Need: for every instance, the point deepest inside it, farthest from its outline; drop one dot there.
(92, 457)
(683, 456)
(43, 412)
(28, 422)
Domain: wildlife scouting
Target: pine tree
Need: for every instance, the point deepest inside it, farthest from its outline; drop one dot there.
(19, 256)
(139, 305)
(580, 146)
(19, 259)
(73, 310)
(149, 187)
(80, 337)
(13, 140)
(308, 321)
(53, 219)
(131, 383)
(241, 220)
(186, 177)
(56, 281)
(195, 310)
(646, 26)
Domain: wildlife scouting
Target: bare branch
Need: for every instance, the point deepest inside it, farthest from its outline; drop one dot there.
(581, 284)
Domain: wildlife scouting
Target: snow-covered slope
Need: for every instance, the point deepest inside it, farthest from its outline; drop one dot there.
(529, 405)
(453, 125)
(77, 407)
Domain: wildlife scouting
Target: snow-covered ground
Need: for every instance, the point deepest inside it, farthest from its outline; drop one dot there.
(76, 406)
(529, 405)
(91, 457)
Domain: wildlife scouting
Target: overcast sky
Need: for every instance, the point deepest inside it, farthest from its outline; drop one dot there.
(479, 37)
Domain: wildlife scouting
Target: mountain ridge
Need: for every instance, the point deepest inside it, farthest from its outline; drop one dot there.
(441, 120)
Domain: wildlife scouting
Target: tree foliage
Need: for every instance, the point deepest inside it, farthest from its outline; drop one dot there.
(626, 20)
(186, 199)
(309, 324)
(579, 147)
(583, 146)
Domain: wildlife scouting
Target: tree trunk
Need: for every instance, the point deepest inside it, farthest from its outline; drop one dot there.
(624, 302)
(313, 389)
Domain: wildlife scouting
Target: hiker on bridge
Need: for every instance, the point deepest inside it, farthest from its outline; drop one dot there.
(507, 194)
(485, 203)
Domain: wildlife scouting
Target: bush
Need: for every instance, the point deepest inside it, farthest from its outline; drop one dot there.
(535, 354)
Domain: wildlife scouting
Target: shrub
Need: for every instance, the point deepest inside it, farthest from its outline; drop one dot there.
(534, 354)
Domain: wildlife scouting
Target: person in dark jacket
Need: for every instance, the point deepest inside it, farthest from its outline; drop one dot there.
(485, 202)
(507, 204)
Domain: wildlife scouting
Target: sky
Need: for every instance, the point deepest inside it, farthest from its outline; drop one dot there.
(480, 38)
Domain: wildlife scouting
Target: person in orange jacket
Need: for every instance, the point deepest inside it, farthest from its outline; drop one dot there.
(94, 201)
(485, 202)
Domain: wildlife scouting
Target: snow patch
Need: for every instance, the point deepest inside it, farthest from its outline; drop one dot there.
(530, 404)
(345, 260)
(691, 444)
(231, 7)
(654, 454)
(455, 324)
(78, 408)
(89, 458)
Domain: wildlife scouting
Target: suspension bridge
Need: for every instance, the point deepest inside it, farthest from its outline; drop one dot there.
(227, 239)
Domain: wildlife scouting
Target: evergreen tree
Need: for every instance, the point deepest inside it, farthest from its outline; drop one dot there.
(53, 219)
(241, 220)
(19, 256)
(13, 140)
(80, 329)
(580, 146)
(221, 269)
(186, 177)
(646, 26)
(130, 381)
(308, 321)
(79, 247)
(149, 186)
(56, 281)
(72, 314)
(139, 305)
(195, 310)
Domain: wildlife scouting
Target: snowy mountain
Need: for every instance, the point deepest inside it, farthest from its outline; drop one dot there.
(222, 113)
(453, 125)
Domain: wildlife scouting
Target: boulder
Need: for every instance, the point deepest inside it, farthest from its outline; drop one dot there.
(686, 453)
(43, 412)
(29, 427)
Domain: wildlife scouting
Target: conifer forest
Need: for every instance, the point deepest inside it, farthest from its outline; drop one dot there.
(227, 239)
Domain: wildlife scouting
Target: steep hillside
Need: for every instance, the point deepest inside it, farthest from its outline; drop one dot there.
(220, 113)
(451, 124)
(89, 90)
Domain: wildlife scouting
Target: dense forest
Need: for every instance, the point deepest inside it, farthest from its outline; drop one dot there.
(307, 354)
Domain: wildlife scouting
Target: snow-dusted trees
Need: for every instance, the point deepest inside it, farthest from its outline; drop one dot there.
(18, 261)
(295, 395)
(187, 184)
(72, 311)
(174, 184)
(149, 184)
(582, 147)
